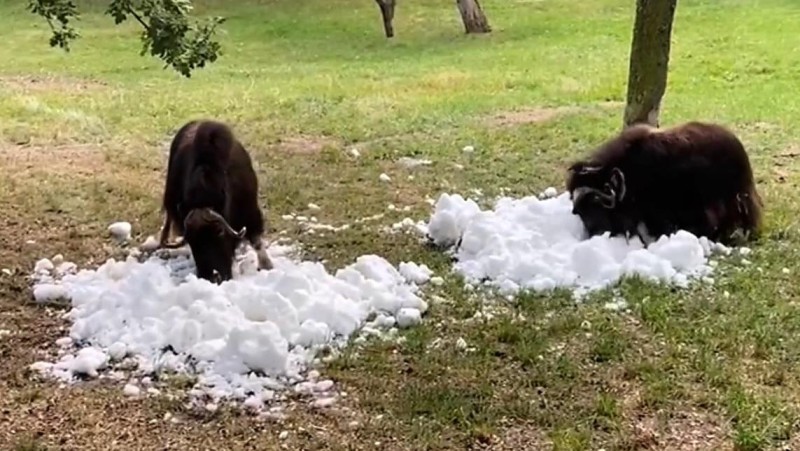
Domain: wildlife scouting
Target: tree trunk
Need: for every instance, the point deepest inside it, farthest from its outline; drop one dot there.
(473, 17)
(647, 76)
(387, 12)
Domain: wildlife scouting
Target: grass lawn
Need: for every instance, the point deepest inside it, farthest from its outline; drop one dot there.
(83, 138)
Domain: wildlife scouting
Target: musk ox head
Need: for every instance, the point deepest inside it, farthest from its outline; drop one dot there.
(213, 242)
(597, 194)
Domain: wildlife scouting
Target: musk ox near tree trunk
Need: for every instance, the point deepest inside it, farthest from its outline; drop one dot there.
(695, 176)
(211, 199)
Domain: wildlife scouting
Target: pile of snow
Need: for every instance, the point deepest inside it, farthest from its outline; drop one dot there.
(245, 338)
(537, 244)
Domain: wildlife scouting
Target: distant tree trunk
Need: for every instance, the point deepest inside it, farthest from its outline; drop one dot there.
(387, 12)
(647, 76)
(473, 17)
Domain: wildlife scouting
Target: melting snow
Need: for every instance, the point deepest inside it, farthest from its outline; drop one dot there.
(538, 244)
(244, 338)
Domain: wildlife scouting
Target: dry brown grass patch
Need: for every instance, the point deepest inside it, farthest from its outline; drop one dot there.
(695, 430)
(529, 116)
(520, 437)
(545, 114)
(73, 159)
(48, 83)
(683, 428)
(304, 144)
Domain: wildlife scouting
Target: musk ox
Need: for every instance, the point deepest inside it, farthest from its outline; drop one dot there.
(211, 199)
(695, 176)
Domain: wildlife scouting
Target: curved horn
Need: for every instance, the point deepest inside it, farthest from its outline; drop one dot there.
(226, 228)
(606, 200)
(210, 216)
(618, 180)
(590, 169)
(584, 168)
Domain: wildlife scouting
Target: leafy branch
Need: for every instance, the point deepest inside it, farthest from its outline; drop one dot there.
(61, 11)
(167, 31)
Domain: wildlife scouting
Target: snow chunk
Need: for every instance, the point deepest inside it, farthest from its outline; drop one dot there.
(150, 244)
(415, 273)
(121, 231)
(549, 193)
(451, 218)
(48, 292)
(131, 390)
(87, 362)
(408, 317)
(410, 163)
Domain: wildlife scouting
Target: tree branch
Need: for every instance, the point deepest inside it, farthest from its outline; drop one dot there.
(168, 33)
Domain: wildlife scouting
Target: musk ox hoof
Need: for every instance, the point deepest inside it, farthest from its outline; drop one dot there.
(264, 262)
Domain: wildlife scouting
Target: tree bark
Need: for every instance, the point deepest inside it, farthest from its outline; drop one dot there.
(387, 13)
(473, 17)
(649, 61)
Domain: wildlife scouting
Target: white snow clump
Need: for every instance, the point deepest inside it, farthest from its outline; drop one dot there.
(121, 231)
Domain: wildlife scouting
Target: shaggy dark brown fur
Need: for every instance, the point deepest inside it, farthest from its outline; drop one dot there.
(695, 176)
(211, 198)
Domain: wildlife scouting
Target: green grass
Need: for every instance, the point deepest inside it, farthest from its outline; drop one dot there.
(714, 364)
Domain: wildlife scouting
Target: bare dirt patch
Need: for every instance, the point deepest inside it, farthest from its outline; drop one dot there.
(46, 83)
(545, 114)
(520, 437)
(74, 159)
(530, 116)
(694, 430)
(304, 144)
(683, 429)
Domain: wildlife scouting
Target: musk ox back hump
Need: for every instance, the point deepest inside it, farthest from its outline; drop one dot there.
(212, 143)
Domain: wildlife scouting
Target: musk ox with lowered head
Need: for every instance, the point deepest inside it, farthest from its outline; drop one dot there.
(695, 176)
(211, 199)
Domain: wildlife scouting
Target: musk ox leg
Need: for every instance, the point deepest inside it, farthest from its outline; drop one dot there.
(643, 234)
(750, 205)
(739, 219)
(166, 228)
(258, 244)
(166, 231)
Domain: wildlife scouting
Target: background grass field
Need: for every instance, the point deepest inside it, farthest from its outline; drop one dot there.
(83, 139)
